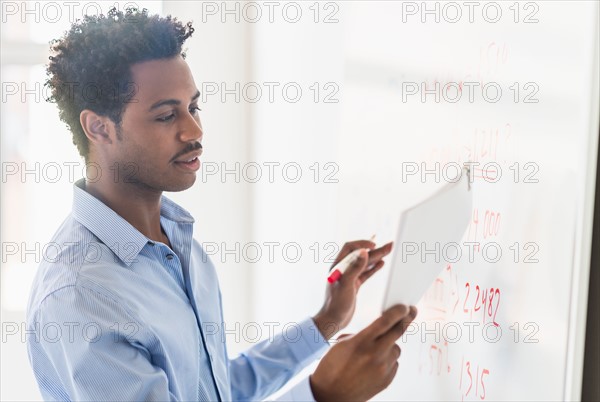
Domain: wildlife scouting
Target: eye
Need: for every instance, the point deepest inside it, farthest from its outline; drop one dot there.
(195, 110)
(166, 118)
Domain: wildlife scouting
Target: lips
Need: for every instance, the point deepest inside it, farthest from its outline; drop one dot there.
(189, 162)
(188, 158)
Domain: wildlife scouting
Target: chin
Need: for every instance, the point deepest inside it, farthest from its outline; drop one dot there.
(179, 186)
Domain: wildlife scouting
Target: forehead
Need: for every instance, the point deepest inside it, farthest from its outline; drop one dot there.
(156, 80)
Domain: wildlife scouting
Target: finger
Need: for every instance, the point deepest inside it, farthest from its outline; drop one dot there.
(357, 268)
(378, 253)
(370, 272)
(351, 246)
(388, 319)
(392, 374)
(397, 351)
(397, 330)
(344, 336)
(394, 354)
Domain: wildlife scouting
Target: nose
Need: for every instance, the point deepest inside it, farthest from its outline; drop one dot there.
(191, 129)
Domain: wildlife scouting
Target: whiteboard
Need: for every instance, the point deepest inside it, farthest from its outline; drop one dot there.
(524, 342)
(540, 135)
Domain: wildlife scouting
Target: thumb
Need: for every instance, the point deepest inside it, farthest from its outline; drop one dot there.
(384, 323)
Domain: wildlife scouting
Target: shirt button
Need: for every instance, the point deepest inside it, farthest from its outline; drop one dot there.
(169, 256)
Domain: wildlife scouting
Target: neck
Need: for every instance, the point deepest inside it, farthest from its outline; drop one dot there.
(136, 203)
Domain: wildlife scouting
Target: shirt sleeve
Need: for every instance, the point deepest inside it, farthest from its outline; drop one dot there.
(266, 367)
(86, 347)
(300, 392)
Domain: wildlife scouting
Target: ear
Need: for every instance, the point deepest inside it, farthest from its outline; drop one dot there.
(99, 130)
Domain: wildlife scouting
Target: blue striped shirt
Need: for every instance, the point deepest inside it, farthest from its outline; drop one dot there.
(114, 315)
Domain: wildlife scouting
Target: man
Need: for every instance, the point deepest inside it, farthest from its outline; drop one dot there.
(128, 309)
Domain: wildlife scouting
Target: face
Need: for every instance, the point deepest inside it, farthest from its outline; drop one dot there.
(160, 128)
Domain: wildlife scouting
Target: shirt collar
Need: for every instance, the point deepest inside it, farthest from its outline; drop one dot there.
(114, 231)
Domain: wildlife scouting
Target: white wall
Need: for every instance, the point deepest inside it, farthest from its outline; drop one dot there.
(358, 53)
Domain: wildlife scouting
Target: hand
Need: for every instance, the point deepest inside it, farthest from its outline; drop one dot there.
(340, 297)
(360, 366)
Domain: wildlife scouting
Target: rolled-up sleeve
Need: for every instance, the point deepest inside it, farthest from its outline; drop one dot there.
(266, 367)
(300, 392)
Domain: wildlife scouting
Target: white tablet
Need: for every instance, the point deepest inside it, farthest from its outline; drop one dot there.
(429, 237)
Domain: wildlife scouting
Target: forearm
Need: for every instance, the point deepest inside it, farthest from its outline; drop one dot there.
(266, 367)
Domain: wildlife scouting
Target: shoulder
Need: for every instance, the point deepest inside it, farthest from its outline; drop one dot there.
(72, 265)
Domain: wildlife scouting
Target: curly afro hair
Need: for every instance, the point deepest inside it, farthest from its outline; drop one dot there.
(90, 66)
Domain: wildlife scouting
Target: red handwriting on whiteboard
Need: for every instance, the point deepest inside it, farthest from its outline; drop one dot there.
(491, 224)
(442, 298)
(473, 378)
(486, 147)
(483, 223)
(491, 58)
(472, 232)
(481, 303)
(488, 144)
(434, 359)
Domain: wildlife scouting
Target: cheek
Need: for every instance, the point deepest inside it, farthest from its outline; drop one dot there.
(163, 150)
(154, 156)
(152, 145)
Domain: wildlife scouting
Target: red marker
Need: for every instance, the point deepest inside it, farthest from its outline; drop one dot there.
(342, 266)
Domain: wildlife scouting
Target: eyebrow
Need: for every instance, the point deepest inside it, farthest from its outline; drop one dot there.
(171, 102)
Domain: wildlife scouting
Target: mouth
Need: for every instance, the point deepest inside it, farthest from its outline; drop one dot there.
(189, 162)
